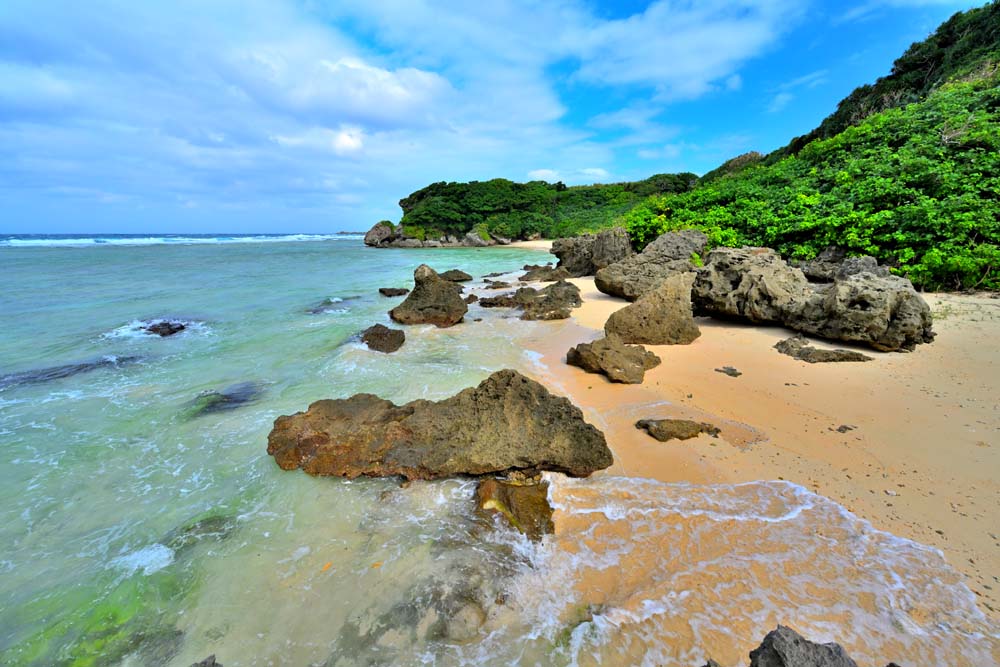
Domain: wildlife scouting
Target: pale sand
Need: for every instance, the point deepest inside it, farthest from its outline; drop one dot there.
(921, 462)
(541, 244)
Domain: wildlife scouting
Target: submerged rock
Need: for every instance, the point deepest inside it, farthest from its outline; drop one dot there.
(668, 255)
(393, 291)
(784, 647)
(326, 304)
(214, 528)
(525, 505)
(230, 398)
(456, 276)
(164, 328)
(610, 356)
(210, 661)
(662, 316)
(507, 423)
(584, 255)
(676, 429)
(52, 373)
(799, 348)
(383, 339)
(535, 273)
(433, 300)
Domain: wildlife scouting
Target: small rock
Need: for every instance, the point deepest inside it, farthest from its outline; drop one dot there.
(164, 328)
(456, 276)
(786, 648)
(472, 298)
(393, 291)
(619, 362)
(798, 347)
(730, 371)
(210, 661)
(383, 339)
(525, 505)
(676, 429)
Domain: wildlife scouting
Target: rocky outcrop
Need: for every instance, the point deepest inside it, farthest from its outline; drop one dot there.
(524, 504)
(380, 234)
(393, 291)
(474, 240)
(456, 276)
(164, 328)
(584, 255)
(536, 273)
(753, 284)
(611, 357)
(676, 429)
(553, 302)
(499, 301)
(230, 398)
(799, 348)
(508, 423)
(662, 316)
(666, 256)
(383, 339)
(433, 300)
(784, 647)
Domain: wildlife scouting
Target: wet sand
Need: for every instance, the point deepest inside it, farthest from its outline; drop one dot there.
(919, 458)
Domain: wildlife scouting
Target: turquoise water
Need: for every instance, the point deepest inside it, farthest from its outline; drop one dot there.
(134, 531)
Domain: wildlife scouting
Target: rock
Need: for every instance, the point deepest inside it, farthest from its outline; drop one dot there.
(210, 661)
(499, 301)
(798, 347)
(754, 284)
(884, 312)
(610, 356)
(472, 298)
(456, 276)
(786, 648)
(544, 274)
(662, 316)
(164, 328)
(610, 246)
(524, 505)
(432, 243)
(863, 264)
(404, 242)
(380, 234)
(507, 423)
(668, 255)
(496, 284)
(42, 375)
(712, 663)
(230, 398)
(584, 255)
(553, 302)
(823, 268)
(393, 291)
(433, 301)
(329, 303)
(676, 429)
(383, 339)
(474, 240)
(729, 370)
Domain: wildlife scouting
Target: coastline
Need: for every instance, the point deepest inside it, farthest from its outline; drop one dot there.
(917, 461)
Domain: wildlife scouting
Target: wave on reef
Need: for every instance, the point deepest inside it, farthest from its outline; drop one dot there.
(47, 241)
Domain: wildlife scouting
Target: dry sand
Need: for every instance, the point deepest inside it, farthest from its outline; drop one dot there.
(540, 244)
(920, 459)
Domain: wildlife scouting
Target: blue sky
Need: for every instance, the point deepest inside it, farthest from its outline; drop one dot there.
(318, 116)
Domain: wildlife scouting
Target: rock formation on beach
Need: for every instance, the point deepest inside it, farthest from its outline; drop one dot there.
(661, 316)
(383, 339)
(508, 423)
(668, 255)
(611, 357)
(552, 302)
(384, 234)
(584, 255)
(799, 348)
(543, 273)
(676, 429)
(433, 300)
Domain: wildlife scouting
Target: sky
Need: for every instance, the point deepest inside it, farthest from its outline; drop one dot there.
(317, 116)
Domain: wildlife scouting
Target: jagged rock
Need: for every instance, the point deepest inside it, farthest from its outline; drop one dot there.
(433, 300)
(610, 356)
(507, 423)
(553, 302)
(584, 255)
(863, 264)
(524, 505)
(676, 429)
(472, 298)
(164, 328)
(833, 263)
(393, 291)
(383, 339)
(884, 312)
(474, 240)
(230, 398)
(799, 348)
(543, 274)
(784, 647)
(668, 255)
(662, 316)
(456, 276)
(382, 232)
(499, 301)
(749, 283)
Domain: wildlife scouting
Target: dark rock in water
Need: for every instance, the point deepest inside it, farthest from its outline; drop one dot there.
(472, 298)
(610, 356)
(43, 375)
(712, 663)
(786, 648)
(230, 398)
(393, 291)
(380, 234)
(210, 661)
(749, 283)
(668, 255)
(584, 255)
(507, 423)
(215, 528)
(496, 274)
(543, 274)
(328, 303)
(383, 339)
(433, 300)
(661, 316)
(456, 276)
(676, 429)
(164, 328)
(799, 348)
(729, 370)
(524, 505)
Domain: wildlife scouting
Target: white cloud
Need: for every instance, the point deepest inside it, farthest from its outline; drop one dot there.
(779, 102)
(596, 173)
(865, 9)
(550, 175)
(348, 140)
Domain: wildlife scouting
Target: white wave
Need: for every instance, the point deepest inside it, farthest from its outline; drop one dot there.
(149, 559)
(97, 241)
(137, 328)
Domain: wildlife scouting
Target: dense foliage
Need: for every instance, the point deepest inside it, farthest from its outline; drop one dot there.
(918, 187)
(519, 210)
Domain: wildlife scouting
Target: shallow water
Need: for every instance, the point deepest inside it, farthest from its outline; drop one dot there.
(135, 530)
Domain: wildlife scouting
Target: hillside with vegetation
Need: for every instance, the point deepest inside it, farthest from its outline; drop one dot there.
(906, 170)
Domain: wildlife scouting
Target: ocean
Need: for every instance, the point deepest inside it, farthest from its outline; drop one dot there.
(137, 528)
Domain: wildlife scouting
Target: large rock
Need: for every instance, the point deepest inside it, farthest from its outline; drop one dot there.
(380, 234)
(884, 312)
(584, 255)
(474, 240)
(508, 423)
(524, 504)
(754, 284)
(662, 316)
(611, 357)
(610, 246)
(383, 339)
(433, 300)
(786, 648)
(668, 255)
(456, 276)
